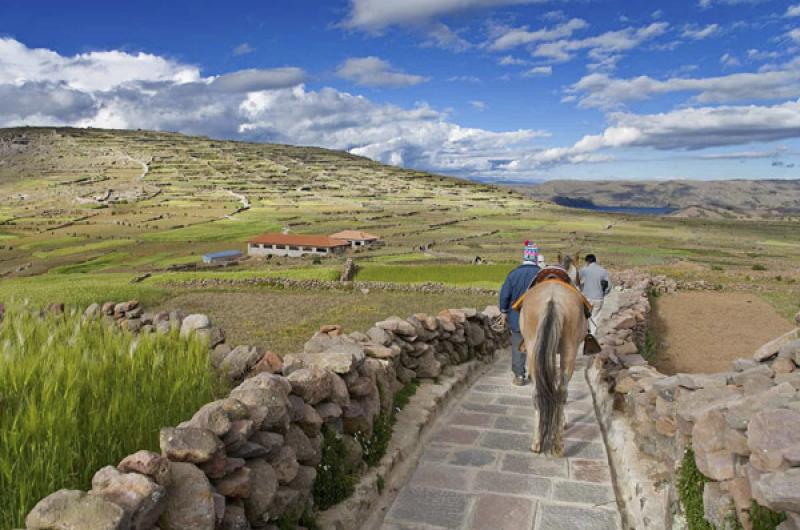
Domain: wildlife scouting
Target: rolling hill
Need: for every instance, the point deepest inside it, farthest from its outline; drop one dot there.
(83, 212)
(777, 197)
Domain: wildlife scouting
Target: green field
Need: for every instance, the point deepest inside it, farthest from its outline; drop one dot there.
(79, 241)
(59, 248)
(77, 397)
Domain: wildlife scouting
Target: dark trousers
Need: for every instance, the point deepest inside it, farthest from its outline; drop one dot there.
(518, 358)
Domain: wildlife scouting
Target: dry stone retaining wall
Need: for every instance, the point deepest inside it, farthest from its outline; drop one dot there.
(285, 283)
(246, 460)
(743, 426)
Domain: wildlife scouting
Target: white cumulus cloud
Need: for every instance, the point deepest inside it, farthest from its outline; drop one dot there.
(601, 46)
(42, 87)
(699, 33)
(603, 91)
(375, 15)
(514, 37)
(243, 49)
(416, 137)
(539, 71)
(102, 70)
(684, 129)
(373, 71)
(509, 60)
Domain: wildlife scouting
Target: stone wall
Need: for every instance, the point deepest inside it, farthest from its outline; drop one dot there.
(246, 460)
(743, 426)
(285, 283)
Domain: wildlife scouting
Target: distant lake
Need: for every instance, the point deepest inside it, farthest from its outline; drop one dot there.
(629, 210)
(585, 204)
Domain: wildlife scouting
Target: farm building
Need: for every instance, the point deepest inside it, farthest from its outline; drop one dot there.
(220, 257)
(356, 238)
(294, 246)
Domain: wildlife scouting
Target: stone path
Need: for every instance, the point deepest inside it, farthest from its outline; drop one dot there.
(478, 472)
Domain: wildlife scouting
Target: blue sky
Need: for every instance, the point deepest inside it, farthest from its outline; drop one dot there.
(506, 89)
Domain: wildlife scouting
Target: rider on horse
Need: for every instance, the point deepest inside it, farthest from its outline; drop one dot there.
(517, 283)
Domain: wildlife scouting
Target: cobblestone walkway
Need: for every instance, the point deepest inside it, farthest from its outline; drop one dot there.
(478, 472)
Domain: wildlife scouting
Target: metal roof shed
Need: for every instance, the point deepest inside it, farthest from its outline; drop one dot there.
(225, 255)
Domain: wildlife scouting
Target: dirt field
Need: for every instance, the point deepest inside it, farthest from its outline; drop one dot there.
(705, 331)
(282, 321)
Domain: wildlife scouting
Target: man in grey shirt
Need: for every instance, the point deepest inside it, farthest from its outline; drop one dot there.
(595, 286)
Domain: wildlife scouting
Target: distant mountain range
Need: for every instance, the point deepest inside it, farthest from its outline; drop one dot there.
(693, 198)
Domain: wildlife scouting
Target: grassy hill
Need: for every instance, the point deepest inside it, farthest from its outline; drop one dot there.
(735, 198)
(84, 211)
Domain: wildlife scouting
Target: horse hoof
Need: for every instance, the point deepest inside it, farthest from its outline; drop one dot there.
(536, 448)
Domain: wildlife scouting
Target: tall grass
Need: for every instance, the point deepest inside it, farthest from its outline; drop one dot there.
(75, 397)
(79, 290)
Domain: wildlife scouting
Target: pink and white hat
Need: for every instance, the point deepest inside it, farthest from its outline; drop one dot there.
(530, 252)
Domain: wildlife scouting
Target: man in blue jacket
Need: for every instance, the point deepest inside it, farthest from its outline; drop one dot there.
(515, 285)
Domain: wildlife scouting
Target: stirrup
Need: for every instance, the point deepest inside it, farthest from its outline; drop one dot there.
(590, 345)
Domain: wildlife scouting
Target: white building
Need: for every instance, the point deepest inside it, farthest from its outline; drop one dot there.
(356, 238)
(295, 246)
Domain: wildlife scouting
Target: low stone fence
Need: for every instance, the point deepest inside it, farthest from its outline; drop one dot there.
(285, 283)
(251, 460)
(658, 284)
(743, 427)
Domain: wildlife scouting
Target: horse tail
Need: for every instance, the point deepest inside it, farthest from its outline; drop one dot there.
(548, 337)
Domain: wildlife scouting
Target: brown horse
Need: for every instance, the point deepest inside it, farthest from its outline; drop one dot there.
(553, 325)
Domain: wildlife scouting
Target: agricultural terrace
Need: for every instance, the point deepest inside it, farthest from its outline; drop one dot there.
(85, 212)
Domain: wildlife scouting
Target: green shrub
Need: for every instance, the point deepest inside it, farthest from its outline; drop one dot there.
(690, 491)
(76, 397)
(291, 521)
(375, 445)
(650, 347)
(759, 267)
(336, 477)
(403, 396)
(717, 268)
(654, 293)
(764, 518)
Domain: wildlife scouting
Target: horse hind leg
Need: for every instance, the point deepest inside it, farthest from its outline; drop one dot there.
(536, 444)
(561, 400)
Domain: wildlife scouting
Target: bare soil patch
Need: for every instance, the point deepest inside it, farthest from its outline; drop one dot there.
(704, 331)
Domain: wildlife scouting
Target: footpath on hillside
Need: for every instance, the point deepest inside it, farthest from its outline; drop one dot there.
(477, 470)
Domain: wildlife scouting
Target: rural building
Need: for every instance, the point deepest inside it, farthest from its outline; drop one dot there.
(220, 257)
(294, 246)
(356, 238)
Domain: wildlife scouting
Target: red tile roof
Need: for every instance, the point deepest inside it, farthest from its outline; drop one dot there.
(356, 235)
(298, 240)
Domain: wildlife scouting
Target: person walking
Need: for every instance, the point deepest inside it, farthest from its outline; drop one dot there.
(595, 285)
(517, 282)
